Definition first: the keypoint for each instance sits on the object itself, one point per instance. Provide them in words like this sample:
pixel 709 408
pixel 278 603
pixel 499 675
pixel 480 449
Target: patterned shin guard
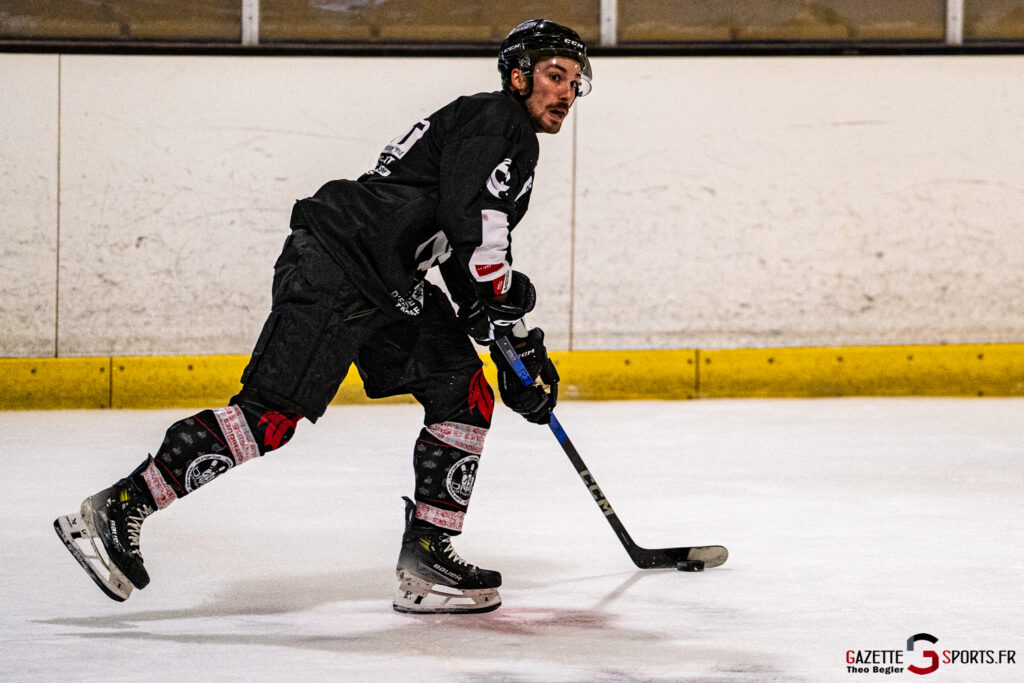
pixel 445 461
pixel 200 448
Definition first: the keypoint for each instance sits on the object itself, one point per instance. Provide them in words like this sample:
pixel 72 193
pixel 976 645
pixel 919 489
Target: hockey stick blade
pixel 644 558
pixel 670 558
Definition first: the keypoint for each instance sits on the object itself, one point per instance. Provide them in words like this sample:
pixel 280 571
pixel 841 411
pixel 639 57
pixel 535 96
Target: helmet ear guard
pixel 536 40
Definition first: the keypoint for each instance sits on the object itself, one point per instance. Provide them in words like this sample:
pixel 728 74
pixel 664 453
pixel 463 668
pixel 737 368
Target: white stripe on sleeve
pixel 490 260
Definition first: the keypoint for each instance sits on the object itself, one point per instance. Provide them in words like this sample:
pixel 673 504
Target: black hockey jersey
pixel 447 192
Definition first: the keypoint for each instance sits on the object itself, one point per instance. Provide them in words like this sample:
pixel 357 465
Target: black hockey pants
pixel 320 324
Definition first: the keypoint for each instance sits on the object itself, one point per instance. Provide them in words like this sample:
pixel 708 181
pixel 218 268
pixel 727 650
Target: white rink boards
pixel 688 202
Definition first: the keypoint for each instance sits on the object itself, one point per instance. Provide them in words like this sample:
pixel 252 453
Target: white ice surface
pixel 852 525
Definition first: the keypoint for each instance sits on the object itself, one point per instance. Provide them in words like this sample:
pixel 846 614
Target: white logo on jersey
pixel 432 252
pixel 399 147
pixel 497 184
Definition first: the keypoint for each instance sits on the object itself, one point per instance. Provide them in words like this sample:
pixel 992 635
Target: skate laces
pixel 449 550
pixel 133 522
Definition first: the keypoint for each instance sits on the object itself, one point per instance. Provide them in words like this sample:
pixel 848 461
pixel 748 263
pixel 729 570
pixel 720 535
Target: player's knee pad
pixel 466 398
pixel 480 403
pixel 200 448
pixel 270 428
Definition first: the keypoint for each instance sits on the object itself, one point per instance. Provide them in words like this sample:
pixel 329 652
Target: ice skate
pixel 433 579
pixel 104 537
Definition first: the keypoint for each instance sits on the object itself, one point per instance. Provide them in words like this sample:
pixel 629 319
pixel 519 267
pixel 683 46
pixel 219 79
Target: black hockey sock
pixel 445 462
pixel 200 448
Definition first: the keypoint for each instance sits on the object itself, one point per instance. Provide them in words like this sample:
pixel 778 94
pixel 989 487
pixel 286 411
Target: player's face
pixel 554 90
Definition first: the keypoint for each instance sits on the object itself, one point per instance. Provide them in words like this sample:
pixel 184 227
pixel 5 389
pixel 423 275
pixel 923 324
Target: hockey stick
pixel 686 558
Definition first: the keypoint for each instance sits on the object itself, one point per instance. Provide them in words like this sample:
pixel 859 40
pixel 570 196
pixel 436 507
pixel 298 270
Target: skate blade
pixel 81 542
pixel 416 596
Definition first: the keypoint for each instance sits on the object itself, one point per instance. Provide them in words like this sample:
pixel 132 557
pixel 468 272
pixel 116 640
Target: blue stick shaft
pixel 517 366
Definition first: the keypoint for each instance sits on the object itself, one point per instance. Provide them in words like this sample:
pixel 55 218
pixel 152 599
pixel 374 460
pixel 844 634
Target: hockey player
pixel 349 288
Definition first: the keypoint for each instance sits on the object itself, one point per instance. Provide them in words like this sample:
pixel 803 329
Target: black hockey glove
pixel 535 403
pixel 486 319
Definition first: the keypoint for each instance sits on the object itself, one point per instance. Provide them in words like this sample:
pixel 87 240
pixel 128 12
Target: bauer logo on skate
pixel 920 657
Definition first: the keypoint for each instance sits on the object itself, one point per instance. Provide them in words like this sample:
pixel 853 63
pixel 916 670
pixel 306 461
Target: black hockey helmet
pixel 536 40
